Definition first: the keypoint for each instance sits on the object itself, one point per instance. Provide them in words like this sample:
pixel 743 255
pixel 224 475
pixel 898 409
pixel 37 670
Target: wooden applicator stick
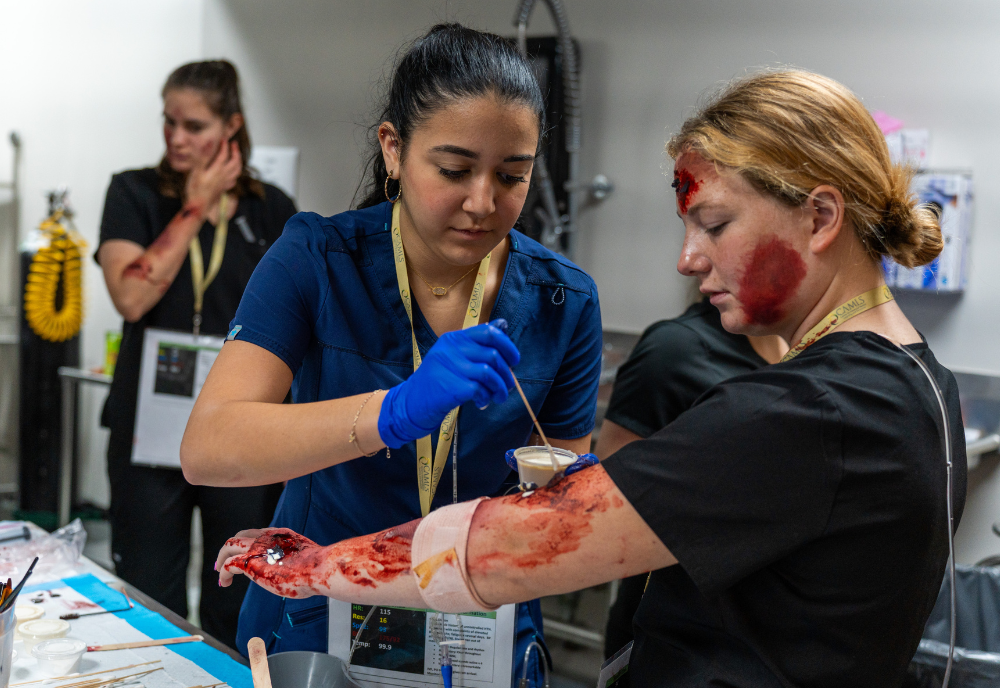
pixel 538 427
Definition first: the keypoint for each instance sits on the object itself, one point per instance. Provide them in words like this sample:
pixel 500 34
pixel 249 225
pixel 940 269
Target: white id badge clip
pixel 247 233
pixel 615 667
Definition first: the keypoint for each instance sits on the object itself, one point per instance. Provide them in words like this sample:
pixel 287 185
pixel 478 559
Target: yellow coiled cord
pixel 60 259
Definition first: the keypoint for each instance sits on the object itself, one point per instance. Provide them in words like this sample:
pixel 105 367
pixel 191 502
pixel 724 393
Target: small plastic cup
pixel 34 632
pixel 23 614
pixel 59 656
pixel 534 465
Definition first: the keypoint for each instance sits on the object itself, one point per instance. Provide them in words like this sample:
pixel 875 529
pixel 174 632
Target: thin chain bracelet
pixel 353 438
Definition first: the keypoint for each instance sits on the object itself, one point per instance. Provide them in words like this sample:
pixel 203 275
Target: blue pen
pixel 446 668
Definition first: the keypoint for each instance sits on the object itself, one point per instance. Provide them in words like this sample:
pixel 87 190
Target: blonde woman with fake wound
pixel 805 500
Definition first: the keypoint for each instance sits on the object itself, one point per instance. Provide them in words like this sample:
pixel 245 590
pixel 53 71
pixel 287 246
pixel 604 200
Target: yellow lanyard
pixel 841 314
pixel 200 280
pixel 429 475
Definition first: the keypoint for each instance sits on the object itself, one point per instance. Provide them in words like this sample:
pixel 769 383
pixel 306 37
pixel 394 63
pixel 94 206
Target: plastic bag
pixel 58 552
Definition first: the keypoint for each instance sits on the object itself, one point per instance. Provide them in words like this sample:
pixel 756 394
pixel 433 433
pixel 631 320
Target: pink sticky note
pixel 887 123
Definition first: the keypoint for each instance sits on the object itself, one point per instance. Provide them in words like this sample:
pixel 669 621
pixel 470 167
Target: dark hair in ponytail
pixel 449 63
pixel 219 84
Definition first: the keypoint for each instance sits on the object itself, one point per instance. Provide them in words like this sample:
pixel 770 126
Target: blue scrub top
pixel 324 299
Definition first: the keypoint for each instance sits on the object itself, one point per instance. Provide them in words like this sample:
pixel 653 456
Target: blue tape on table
pixel 215 662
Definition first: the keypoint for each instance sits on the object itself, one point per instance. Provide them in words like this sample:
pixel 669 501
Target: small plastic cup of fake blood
pixel 534 465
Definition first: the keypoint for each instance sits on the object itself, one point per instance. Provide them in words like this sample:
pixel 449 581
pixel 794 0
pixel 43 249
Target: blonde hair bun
pixel 789 131
pixel 912 230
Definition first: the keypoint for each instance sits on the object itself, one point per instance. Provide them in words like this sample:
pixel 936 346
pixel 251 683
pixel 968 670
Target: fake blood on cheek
pixel 772 275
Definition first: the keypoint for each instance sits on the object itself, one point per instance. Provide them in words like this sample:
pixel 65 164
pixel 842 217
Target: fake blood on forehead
pixel 686 187
pixel 772 275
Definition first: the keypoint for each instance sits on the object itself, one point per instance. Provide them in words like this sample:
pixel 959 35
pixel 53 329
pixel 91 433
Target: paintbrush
pixel 538 426
pixel 6 591
pixel 9 599
pixel 74 615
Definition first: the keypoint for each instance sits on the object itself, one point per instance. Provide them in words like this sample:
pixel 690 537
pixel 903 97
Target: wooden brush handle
pixel 145 643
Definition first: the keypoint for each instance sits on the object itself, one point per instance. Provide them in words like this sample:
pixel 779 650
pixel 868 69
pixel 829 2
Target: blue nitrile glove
pixel 465 365
pixel 582 461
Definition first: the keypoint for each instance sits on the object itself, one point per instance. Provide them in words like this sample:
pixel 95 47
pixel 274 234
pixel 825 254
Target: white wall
pixel 310 69
pixel 80 83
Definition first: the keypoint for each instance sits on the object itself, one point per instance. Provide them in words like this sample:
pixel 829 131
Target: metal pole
pixel 66 455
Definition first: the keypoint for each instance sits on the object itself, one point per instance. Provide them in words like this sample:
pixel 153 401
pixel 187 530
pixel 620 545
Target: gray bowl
pixel 306 670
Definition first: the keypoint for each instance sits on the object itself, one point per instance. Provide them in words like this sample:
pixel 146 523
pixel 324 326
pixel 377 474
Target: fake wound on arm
pixel 159 263
pixel 571 535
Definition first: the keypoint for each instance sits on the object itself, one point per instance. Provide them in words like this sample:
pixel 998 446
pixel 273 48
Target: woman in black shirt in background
pixel 150 217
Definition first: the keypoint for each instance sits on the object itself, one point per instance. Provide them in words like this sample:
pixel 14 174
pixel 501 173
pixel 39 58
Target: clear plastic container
pixel 6 644
pixel 534 465
pixel 34 632
pixel 24 613
pixel 59 656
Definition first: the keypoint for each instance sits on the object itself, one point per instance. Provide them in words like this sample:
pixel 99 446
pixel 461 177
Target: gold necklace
pixel 443 291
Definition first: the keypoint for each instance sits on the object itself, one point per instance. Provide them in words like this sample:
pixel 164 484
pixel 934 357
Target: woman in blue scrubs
pixel 327 314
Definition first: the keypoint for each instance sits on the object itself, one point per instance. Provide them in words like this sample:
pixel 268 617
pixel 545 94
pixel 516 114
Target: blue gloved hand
pixel 582 461
pixel 465 365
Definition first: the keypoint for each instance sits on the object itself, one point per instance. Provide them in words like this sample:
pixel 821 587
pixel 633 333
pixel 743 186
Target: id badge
pixel 400 646
pixel 615 667
pixel 173 369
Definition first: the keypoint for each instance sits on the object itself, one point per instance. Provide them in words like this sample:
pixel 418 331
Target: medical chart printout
pixel 173 369
pixel 399 646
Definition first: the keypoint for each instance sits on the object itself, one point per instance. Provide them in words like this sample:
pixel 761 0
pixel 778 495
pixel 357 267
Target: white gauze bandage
pixel 439 559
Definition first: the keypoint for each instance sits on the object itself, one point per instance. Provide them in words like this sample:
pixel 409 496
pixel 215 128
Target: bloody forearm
pixel 162 260
pixel 368 569
pixel 578 533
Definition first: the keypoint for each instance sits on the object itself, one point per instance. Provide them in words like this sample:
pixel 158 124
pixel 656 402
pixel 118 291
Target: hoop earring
pixel 398 195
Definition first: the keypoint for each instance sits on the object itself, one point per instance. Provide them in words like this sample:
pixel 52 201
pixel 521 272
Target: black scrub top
pixel 674 363
pixel 806 502
pixel 136 210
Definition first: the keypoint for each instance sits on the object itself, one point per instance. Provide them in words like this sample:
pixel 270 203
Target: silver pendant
pixel 439 291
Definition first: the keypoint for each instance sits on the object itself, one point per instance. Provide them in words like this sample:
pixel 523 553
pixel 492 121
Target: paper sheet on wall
pixel 399 645
pixel 173 369
pixel 278 165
